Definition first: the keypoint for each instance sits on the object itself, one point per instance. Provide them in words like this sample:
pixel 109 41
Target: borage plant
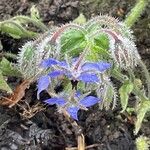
pixel 83 59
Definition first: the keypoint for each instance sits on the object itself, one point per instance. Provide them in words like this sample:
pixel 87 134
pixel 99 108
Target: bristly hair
pixel 109 22
pixel 108 93
pixel 121 41
pixel 121 44
pixel 31 54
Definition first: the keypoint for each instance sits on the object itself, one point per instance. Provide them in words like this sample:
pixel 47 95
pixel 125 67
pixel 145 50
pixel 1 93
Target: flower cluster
pixel 77 71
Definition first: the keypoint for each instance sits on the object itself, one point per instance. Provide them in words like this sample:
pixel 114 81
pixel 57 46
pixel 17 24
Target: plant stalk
pixel 147 75
pixel 136 12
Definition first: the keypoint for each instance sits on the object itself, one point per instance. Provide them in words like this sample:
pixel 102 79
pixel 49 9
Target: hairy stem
pixel 147 75
pixel 135 12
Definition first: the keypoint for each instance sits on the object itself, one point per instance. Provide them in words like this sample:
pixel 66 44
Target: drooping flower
pixel 73 108
pixel 86 72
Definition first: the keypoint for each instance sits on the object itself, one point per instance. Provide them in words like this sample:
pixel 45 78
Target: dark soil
pixel 49 130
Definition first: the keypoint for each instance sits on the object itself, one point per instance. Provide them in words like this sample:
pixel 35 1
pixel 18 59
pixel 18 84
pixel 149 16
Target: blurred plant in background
pixel 17 27
pixel 142 143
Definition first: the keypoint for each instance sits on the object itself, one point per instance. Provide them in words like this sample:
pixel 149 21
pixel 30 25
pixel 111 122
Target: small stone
pixel 116 134
pixel 14 147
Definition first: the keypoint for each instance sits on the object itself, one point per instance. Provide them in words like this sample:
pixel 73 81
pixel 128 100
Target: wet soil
pixel 49 130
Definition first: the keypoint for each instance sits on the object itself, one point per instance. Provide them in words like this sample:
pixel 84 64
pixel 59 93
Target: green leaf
pixel 124 92
pixel 73 42
pixel 15 29
pixel 8 69
pixel 3 84
pixel 142 109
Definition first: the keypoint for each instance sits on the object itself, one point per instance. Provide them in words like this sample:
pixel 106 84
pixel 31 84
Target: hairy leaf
pixel 15 29
pixel 3 84
pixel 142 109
pixel 124 92
pixel 8 69
pixel 12 30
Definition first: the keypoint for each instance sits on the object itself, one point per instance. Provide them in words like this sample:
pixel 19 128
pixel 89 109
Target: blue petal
pixel 56 73
pixel 89 101
pixel 74 60
pixel 68 74
pixel 73 112
pixel 55 100
pixel 98 66
pixel 43 84
pixel 104 66
pixel 86 77
pixel 78 94
pixel 63 64
pixel 49 62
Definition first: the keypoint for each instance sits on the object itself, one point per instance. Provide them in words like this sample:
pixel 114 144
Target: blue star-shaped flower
pixel 73 109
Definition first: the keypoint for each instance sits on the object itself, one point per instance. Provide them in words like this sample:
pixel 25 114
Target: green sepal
pixel 73 42
pixel 102 41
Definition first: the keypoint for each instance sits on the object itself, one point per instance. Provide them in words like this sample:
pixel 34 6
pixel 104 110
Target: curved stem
pixel 64 28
